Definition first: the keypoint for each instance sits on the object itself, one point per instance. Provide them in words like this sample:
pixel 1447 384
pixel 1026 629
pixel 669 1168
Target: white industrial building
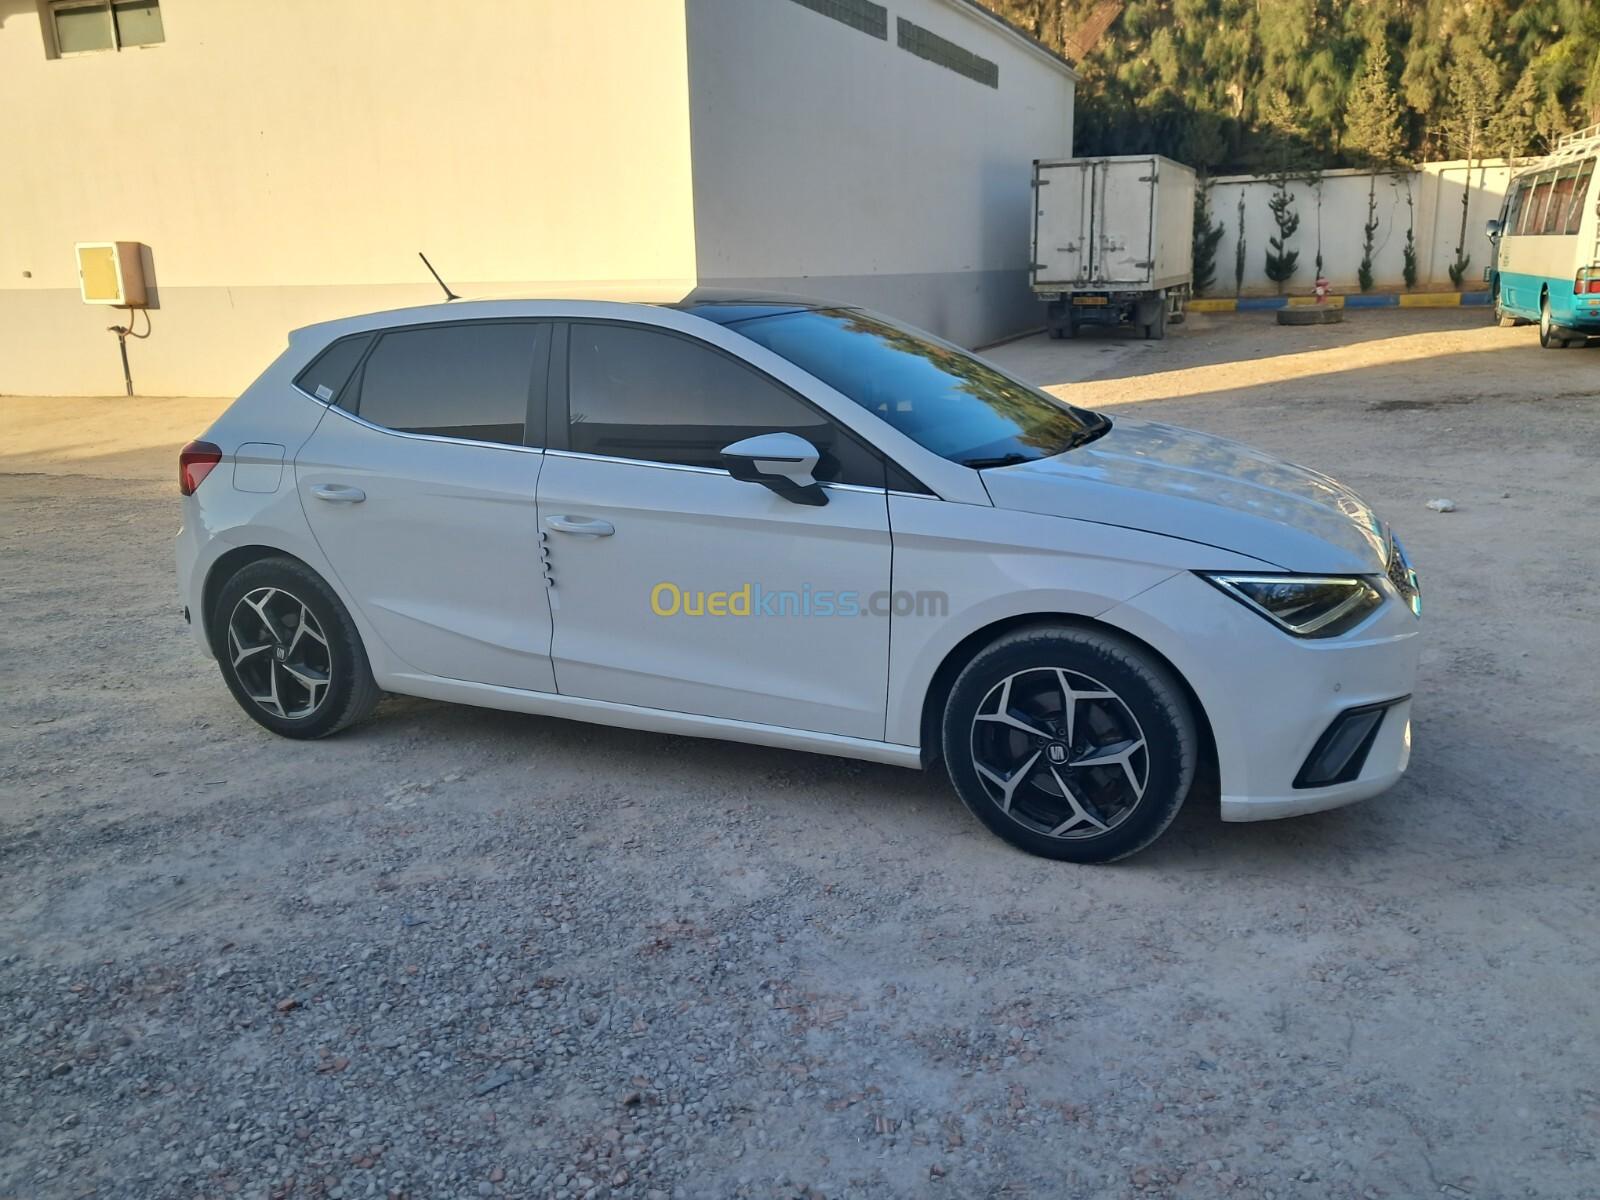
pixel 283 163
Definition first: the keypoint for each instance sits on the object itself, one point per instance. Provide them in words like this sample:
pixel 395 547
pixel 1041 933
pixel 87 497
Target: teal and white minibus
pixel 1547 244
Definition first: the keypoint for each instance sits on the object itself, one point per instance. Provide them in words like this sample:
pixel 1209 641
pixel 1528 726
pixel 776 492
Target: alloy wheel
pixel 1060 753
pixel 279 653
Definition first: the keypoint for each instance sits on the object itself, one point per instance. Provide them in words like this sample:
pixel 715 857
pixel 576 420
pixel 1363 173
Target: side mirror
pixel 1492 228
pixel 783 462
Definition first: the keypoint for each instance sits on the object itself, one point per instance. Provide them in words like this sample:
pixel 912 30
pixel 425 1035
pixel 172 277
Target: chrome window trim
pixel 665 466
pixel 420 437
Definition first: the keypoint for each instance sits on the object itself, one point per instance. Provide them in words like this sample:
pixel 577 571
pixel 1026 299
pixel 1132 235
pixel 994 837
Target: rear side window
pixel 1580 198
pixel 463 381
pixel 331 370
pixel 635 393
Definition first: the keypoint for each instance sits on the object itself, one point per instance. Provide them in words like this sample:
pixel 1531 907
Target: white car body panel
pixel 401 554
pixel 1209 490
pixel 704 531
pixel 1112 532
pixel 997 565
pixel 1230 656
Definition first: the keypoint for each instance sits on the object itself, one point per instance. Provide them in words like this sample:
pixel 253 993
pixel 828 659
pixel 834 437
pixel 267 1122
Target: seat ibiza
pixel 804 525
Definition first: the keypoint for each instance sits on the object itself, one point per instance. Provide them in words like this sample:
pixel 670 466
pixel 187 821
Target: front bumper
pixel 1270 697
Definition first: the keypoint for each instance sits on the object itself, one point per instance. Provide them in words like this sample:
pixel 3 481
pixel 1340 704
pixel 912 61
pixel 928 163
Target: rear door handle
pixel 338 493
pixel 582 526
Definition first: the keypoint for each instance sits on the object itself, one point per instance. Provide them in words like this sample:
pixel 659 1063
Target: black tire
pixel 1142 689
pixel 1550 335
pixel 1058 320
pixel 1152 315
pixel 269 596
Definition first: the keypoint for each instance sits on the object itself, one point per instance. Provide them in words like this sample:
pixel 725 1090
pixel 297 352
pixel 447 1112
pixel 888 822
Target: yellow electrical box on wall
pixel 111 273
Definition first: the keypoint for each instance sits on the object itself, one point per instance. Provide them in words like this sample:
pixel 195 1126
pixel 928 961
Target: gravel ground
pixel 465 953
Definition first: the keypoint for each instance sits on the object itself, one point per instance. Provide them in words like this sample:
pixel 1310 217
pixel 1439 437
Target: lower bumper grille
pixel 1342 750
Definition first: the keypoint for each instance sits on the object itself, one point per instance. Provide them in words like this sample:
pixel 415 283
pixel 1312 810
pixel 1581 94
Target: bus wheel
pixel 1549 336
pixel 1501 317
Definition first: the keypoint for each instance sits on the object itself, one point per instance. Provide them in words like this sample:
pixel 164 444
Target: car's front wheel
pixel 1070 743
pixel 289 652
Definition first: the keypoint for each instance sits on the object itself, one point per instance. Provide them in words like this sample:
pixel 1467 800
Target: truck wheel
pixel 1157 329
pixel 1058 320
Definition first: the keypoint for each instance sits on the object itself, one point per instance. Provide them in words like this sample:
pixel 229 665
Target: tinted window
pixel 634 393
pixel 330 371
pixel 465 381
pixel 1580 198
pixel 1533 219
pixel 1514 199
pixel 936 394
pixel 1555 219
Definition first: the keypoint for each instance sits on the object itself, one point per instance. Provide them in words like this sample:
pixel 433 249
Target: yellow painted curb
pixel 1431 300
pixel 1211 305
pixel 1311 302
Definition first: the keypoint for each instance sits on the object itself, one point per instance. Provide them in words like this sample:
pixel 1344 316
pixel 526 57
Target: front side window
pixel 937 394
pixel 82 26
pixel 472 381
pixel 641 394
pixel 1514 201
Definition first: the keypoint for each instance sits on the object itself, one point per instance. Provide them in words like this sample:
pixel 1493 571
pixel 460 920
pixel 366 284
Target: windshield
pixel 937 394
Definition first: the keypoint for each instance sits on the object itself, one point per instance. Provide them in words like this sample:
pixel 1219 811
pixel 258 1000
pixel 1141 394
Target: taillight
pixel 194 463
pixel 1587 282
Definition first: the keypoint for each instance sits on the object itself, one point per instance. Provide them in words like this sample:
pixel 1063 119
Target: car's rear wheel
pixel 289 652
pixel 1070 743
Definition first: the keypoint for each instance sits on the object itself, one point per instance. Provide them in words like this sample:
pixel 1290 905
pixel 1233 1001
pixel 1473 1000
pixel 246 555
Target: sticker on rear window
pixel 324 392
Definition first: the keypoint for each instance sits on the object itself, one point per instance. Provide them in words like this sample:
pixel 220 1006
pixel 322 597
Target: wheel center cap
pixel 1056 753
pixel 280 653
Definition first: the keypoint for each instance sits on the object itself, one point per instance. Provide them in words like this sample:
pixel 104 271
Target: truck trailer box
pixel 1112 240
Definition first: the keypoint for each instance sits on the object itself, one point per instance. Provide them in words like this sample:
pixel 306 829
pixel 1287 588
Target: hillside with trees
pixel 1278 85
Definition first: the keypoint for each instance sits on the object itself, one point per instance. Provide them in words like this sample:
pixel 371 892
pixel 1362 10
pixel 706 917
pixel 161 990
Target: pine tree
pixel 1238 250
pixel 1282 262
pixel 1474 94
pixel 1207 233
pixel 1409 250
pixel 1372 136
pixel 1191 78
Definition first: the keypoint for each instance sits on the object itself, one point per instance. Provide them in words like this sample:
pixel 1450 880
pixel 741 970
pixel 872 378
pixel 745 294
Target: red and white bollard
pixel 1321 289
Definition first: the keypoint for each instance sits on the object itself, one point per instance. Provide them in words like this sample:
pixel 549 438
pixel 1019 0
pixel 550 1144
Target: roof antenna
pixel 448 294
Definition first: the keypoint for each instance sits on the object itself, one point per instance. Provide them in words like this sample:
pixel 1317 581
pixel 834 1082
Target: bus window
pixel 1514 201
pixel 1533 214
pixel 1555 216
pixel 1580 197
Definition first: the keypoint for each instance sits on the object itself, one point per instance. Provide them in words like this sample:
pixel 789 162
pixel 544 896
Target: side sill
pixel 651 720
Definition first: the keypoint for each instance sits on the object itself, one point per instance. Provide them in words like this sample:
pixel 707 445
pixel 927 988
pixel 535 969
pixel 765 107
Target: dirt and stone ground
pixel 465 953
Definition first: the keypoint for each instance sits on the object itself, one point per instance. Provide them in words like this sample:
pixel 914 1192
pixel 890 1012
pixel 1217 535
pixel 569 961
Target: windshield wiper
pixel 1087 435
pixel 1000 460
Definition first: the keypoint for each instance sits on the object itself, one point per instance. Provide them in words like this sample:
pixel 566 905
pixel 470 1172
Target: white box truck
pixel 1112 241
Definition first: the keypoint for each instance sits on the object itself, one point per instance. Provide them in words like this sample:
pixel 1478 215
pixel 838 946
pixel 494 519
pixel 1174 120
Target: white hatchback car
pixel 801 525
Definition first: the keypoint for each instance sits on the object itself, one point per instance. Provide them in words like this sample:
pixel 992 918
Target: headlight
pixel 1311 606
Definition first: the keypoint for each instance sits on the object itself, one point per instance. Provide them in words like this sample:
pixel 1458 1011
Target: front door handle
pixel 338 493
pixel 582 526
